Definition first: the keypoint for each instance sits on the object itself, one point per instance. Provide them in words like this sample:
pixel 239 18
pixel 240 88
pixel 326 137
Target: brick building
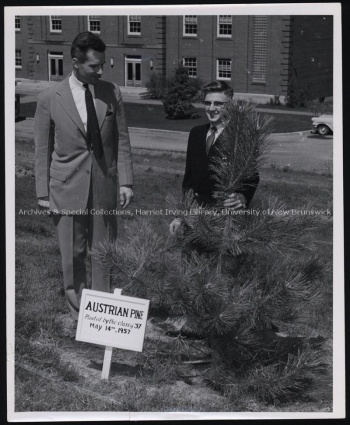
pixel 255 54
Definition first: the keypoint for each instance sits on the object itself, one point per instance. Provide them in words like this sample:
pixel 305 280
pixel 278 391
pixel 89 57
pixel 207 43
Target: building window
pixel 17 23
pixel 94 24
pixel 18 59
pixel 191 65
pixel 55 24
pixel 225 26
pixel 190 25
pixel 259 49
pixel 223 71
pixel 134 25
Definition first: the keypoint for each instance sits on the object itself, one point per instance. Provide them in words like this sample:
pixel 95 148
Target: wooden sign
pixel 113 320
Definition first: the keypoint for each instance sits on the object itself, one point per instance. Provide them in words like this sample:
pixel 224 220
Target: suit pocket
pixel 58 175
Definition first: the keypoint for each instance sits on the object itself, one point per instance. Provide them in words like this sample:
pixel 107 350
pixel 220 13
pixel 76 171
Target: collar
pixel 219 127
pixel 75 83
pixel 74 80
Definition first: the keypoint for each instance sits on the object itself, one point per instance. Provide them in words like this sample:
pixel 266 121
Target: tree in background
pixel 296 96
pixel 176 92
pixel 246 283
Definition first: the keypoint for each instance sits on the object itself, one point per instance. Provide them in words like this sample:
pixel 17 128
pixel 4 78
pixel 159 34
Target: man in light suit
pixel 202 141
pixel 82 148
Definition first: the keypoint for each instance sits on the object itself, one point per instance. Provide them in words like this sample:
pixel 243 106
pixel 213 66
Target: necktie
pixel 93 135
pixel 211 138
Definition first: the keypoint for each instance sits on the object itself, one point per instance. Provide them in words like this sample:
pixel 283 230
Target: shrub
pixel 275 100
pixel 296 97
pixel 319 108
pixel 180 91
pixel 156 86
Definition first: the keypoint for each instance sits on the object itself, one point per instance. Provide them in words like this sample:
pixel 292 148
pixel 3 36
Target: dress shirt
pixel 219 129
pixel 78 92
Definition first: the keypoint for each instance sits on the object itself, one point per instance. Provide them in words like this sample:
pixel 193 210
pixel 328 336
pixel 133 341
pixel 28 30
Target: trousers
pixel 75 233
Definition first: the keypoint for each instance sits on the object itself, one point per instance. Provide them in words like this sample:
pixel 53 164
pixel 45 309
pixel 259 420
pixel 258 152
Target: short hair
pixel 86 41
pixel 217 87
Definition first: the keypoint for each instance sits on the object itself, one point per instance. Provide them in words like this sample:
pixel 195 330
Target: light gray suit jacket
pixel 63 163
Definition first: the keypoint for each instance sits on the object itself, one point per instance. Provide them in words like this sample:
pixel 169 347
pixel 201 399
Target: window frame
pixel 51 28
pixel 97 20
pixel 129 23
pixel 19 66
pixel 217 70
pixel 190 67
pixel 186 34
pixel 17 19
pixel 218 27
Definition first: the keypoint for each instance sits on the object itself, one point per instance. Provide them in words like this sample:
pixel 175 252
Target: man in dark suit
pixel 201 149
pixel 82 147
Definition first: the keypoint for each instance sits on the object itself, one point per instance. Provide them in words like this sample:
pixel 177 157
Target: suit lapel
pixel 100 104
pixel 66 100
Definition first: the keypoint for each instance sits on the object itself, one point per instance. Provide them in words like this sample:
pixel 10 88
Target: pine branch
pixel 243 145
pixel 285 382
pixel 274 380
pixel 240 232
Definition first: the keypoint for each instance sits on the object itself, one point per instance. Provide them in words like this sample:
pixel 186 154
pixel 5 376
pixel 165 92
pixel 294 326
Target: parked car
pixel 322 125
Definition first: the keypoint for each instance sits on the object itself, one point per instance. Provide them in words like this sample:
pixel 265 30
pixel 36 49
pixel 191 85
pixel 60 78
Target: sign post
pixel 112 320
pixel 107 361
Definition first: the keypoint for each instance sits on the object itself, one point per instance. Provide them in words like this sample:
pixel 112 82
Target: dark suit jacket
pixel 63 162
pixel 198 175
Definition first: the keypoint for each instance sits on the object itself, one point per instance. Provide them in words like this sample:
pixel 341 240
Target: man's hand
pixel 44 202
pixel 235 201
pixel 174 226
pixel 126 193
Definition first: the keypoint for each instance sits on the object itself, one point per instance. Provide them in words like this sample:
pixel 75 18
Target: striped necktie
pixel 211 138
pixel 93 135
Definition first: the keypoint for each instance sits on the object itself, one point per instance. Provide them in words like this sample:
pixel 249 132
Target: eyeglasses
pixel 217 105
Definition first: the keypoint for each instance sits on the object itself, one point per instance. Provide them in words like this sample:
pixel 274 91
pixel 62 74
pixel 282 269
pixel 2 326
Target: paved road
pixel 296 151
pixel 31 89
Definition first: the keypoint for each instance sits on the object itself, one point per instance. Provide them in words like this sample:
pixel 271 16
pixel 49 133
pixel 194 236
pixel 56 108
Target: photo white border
pixel 338 235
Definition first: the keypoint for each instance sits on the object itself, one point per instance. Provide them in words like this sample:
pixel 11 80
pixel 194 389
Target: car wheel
pixel 323 130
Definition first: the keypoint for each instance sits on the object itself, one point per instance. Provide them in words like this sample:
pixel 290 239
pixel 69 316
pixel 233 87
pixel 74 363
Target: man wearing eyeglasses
pixel 198 175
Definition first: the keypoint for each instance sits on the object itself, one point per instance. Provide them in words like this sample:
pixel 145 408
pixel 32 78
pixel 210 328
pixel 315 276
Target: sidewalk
pixel 31 89
pixel 299 151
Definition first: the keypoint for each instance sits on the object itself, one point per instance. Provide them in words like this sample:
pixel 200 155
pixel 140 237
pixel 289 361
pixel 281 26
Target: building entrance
pixel 55 66
pixel 133 71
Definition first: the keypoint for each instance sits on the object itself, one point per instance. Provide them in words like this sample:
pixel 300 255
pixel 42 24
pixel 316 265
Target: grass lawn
pixel 56 373
pixel 153 116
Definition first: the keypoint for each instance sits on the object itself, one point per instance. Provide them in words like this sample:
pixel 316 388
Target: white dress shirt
pixel 219 129
pixel 78 92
